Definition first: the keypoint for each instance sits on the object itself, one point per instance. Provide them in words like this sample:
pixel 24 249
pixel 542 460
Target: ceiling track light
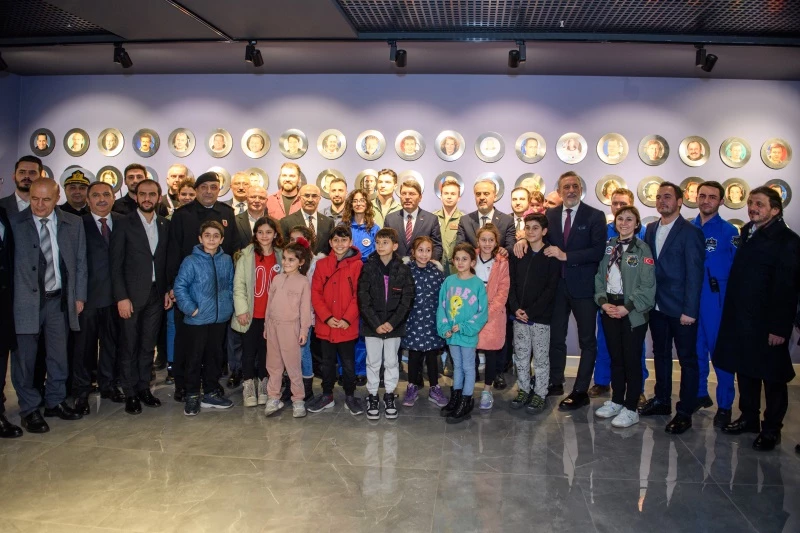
pixel 515 57
pixel 121 56
pixel 398 57
pixel 704 60
pixel 711 60
pixel 253 54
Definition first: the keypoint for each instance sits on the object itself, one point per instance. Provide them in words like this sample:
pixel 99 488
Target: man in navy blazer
pixel 577 238
pixel 422 222
pixel 679 251
pixel 485 192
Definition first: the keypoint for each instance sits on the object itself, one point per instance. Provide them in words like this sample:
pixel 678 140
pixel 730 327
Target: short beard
pixel 147 210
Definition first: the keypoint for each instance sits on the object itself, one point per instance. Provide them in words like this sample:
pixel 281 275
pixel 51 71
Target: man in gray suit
pixel 26 170
pixel 50 286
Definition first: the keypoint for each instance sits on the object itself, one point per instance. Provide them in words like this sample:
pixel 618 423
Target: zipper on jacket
pixel 216 290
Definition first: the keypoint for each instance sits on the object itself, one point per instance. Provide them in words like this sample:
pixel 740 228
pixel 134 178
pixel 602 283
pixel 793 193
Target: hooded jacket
pixel 334 295
pixel 205 283
pixel 385 294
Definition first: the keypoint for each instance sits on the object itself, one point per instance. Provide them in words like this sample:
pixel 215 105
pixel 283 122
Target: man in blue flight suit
pixel 602 365
pixel 721 240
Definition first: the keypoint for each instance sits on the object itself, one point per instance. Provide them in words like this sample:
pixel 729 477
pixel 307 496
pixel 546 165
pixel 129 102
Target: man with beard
pixel 319 224
pixel 287 200
pixel 27 169
pixel 134 175
pixel 552 199
pixel 384 202
pixel 337 190
pixel 76 186
pixel 485 195
pixel 175 175
pixel 240 183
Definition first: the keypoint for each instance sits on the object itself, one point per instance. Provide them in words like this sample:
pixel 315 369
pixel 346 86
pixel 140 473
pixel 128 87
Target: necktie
pixel 484 221
pixel 520 225
pixel 242 206
pixel 47 251
pixel 104 229
pixel 311 226
pixel 409 230
pixel 567 228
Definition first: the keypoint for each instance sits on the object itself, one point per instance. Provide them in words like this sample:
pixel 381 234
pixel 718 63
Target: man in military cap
pixel 75 186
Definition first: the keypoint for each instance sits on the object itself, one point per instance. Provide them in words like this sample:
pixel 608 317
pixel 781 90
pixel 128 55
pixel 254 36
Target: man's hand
pixel 243 319
pixel 502 252
pixel 125 308
pixel 168 301
pixel 520 234
pixel 79 306
pixel 774 340
pixel 687 320
pixel 384 328
pixel 520 248
pixel 555 251
pixel 521 315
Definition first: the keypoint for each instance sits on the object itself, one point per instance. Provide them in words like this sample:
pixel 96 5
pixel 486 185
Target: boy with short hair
pixel 534 279
pixel 385 296
pixel 335 303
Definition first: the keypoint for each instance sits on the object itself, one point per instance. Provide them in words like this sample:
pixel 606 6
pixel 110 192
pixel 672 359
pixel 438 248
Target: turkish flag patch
pixel 649 261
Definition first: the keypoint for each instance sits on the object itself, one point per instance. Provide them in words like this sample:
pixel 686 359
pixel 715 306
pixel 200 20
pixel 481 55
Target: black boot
pixel 462 411
pixel 307 385
pixel 286 395
pixel 455 396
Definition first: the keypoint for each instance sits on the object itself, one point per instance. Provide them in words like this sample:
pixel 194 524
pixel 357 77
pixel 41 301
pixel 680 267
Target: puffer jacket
pixel 244 285
pixel 376 307
pixel 205 283
pixel 334 295
pixel 493 334
pixel 421 333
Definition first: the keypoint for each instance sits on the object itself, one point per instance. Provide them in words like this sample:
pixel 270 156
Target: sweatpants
pixel 415 361
pixel 463 368
pixel 283 352
pixel 382 351
pixel 532 338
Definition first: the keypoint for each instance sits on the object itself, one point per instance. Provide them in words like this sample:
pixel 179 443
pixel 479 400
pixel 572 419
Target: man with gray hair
pixel 485 191
pixel 240 184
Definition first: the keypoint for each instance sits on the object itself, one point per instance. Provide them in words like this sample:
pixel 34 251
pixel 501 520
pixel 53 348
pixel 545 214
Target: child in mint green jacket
pixel 462 312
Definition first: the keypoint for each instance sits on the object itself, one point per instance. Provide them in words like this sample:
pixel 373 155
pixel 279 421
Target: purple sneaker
pixel 411 395
pixel 437 396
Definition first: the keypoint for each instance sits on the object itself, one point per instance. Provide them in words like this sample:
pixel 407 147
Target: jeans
pixel 170 335
pixel 306 360
pixel 463 368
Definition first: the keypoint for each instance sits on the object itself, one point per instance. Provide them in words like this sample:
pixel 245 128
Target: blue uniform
pixel 602 363
pixel 722 240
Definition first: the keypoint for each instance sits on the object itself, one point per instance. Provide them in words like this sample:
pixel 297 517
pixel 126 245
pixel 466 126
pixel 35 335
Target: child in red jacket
pixel 334 298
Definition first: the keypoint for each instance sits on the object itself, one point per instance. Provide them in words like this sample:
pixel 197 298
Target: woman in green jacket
pixel 625 290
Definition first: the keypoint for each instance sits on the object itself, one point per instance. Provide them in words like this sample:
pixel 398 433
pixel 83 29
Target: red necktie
pixel 104 231
pixel 408 230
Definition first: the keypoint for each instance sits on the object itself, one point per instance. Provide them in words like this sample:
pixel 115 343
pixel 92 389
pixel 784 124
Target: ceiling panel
pixel 38 19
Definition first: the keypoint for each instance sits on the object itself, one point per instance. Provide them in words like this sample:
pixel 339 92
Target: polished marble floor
pixel 237 471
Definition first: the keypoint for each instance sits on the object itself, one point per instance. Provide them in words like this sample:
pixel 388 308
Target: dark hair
pixel 541 218
pixel 388 233
pixel 527 192
pixel 419 240
pixel 467 249
pixel 676 188
pixel 390 172
pixel 636 214
pixel 775 200
pixel 134 166
pixel 341 231
pixel 491 228
pixel 348 214
pixel 29 159
pixel 157 184
pixel 715 184
pixel 303 253
pixel 307 235
pixel 94 184
pixel 277 242
pixel 185 182
pixel 211 224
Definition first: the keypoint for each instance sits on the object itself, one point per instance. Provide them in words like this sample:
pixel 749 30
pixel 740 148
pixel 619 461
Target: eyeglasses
pixel 359 201
pixel 310 196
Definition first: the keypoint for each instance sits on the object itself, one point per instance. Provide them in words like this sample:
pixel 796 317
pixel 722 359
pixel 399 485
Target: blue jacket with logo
pixel 205 283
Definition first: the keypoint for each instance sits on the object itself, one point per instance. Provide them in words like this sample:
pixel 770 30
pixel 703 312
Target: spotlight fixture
pixel 253 54
pixel 121 56
pixel 515 57
pixel 711 60
pixel 3 64
pixel 704 60
pixel 398 57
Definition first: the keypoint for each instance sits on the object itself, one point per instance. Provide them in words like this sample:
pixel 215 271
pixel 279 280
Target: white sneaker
pixel 262 391
pixel 609 410
pixel 273 406
pixel 625 419
pixel 299 409
pixel 249 393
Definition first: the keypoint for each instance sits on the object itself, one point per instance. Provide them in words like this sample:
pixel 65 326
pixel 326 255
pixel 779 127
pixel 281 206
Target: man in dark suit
pixel 308 216
pixel 256 208
pixel 50 286
pixel 412 222
pixel 26 170
pixel 99 321
pixel 485 195
pixel 240 186
pixel 679 251
pixel 135 174
pixel 75 187
pixel 138 249
pixel 577 238
pixel 8 338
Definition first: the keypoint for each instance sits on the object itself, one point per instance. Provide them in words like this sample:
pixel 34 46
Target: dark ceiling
pixel 753 38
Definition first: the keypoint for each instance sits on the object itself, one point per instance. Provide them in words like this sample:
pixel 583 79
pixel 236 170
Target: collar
pixel 713 220
pixel 50 218
pixel 306 215
pixel 414 214
pixel 574 209
pixel 20 199
pixel 667 226
pixel 97 218
pixel 251 217
pixel 489 215
pixel 144 220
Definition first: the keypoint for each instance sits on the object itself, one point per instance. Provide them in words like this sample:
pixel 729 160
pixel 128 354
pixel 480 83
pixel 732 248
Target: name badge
pixel 453 225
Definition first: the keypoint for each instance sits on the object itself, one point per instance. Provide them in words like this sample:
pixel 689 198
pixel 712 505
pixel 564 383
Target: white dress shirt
pixel 662 231
pixel 151 229
pixel 564 215
pixel 489 217
pixel 21 204
pixel 52 225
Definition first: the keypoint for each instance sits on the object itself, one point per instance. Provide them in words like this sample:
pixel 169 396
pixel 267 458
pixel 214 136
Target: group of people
pixel 273 291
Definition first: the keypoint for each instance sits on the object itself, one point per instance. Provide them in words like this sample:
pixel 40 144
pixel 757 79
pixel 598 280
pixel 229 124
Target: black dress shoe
pixel 703 402
pixel 9 430
pixel 555 390
pixel 133 406
pixel 654 407
pixel 34 423
pixel 361 381
pixel 679 424
pixel 766 441
pixel 82 406
pixel 742 425
pixel 722 418
pixel 575 400
pixel 499 382
pixel 179 395
pixel 62 411
pixel 115 395
pixel 148 399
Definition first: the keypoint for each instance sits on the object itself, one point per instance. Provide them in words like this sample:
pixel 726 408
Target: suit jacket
pixel 8 336
pixel 132 262
pixel 98 259
pixel 679 268
pixel 324 229
pixel 29 268
pixel 468 225
pixel 585 247
pixel 243 229
pixel 427 224
pixel 9 203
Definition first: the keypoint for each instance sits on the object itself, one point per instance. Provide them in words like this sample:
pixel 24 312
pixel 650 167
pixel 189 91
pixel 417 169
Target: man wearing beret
pixel 75 186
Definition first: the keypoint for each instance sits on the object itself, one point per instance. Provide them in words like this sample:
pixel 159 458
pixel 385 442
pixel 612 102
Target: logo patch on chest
pixel 736 241
pixel 365 241
pixel 711 244
pixel 632 261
